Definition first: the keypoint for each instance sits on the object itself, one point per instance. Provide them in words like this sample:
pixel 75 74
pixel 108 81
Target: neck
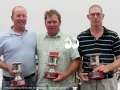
pixel 52 35
pixel 96 29
pixel 18 30
pixel 97 32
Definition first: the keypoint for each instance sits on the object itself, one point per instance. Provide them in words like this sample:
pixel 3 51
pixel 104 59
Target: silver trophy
pixel 95 62
pixel 17 70
pixel 52 63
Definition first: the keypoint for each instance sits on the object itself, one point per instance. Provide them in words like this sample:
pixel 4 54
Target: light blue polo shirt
pixel 19 48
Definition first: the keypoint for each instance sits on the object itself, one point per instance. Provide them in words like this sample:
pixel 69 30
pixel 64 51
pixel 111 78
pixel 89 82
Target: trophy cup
pixel 17 70
pixel 52 63
pixel 94 62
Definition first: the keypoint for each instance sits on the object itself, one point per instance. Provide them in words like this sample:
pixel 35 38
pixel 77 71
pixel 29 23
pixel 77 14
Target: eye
pixel 49 22
pixel 24 16
pixel 18 16
pixel 98 14
pixel 92 14
pixel 54 22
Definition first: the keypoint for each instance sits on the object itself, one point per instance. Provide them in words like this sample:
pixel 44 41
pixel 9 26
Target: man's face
pixel 52 24
pixel 19 17
pixel 95 16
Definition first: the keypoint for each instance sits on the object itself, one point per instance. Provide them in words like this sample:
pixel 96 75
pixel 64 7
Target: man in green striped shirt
pixel 54 41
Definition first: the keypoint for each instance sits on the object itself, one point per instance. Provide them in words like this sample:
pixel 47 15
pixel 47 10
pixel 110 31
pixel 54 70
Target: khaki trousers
pixel 104 84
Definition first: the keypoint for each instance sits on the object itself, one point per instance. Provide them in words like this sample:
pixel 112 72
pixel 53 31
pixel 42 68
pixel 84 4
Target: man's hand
pixel 10 70
pixel 83 76
pixel 61 76
pixel 103 68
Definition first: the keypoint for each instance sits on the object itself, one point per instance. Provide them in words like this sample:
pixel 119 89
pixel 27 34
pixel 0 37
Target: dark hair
pixel 52 12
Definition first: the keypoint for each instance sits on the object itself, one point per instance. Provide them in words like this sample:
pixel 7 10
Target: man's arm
pixel 109 67
pixel 73 67
pixel 81 74
pixel 6 67
pixel 115 64
pixel 80 69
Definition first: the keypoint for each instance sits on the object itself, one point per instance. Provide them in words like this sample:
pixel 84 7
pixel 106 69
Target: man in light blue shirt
pixel 18 44
pixel 54 41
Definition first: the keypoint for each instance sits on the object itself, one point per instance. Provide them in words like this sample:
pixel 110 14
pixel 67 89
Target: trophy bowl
pixel 17 70
pixel 53 59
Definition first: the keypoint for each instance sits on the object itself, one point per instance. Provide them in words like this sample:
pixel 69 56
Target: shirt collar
pixel 15 33
pixel 105 31
pixel 58 35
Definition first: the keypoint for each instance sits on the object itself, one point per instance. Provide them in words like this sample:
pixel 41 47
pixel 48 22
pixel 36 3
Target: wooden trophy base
pixel 50 75
pixel 95 75
pixel 19 83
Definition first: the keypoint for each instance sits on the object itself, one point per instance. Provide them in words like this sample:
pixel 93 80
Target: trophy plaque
pixel 94 62
pixel 52 63
pixel 17 70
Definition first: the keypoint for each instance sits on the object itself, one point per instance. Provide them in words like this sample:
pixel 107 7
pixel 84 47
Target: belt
pixel 11 78
pixel 8 78
pixel 29 76
pixel 108 75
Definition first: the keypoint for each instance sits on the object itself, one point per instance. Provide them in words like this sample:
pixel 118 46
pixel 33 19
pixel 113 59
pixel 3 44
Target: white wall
pixel 74 19
pixel 73 13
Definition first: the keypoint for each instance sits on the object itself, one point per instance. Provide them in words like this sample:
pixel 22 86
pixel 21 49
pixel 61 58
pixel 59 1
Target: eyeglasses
pixel 97 14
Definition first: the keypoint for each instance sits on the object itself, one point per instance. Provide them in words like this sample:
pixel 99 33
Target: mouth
pixel 95 21
pixel 52 29
pixel 21 23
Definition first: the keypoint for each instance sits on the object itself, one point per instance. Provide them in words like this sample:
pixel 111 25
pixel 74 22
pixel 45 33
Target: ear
pixel 45 23
pixel 88 17
pixel 12 18
pixel 60 22
pixel 103 16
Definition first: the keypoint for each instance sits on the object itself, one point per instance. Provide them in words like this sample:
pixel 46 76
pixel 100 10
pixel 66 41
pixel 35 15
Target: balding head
pixel 95 6
pixel 18 7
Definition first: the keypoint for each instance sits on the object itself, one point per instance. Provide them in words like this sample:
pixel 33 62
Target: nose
pixel 52 23
pixel 95 16
pixel 22 17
